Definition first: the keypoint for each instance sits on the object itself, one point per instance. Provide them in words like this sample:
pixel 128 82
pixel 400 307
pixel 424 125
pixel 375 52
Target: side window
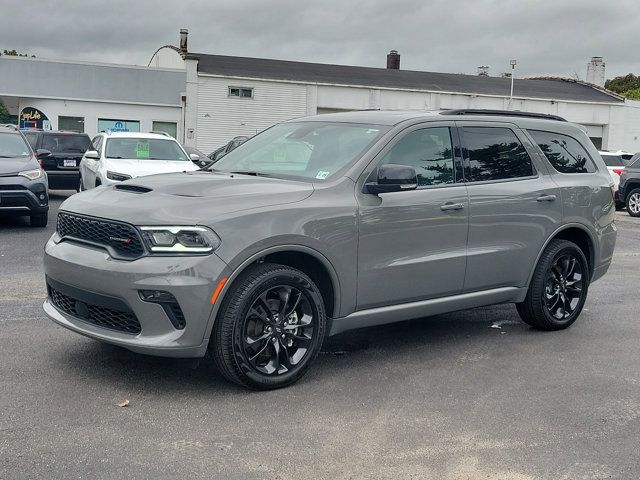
pixel 429 151
pixel 495 153
pixel 97 143
pixel 564 153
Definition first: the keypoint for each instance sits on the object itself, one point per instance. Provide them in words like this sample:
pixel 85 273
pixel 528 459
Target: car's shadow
pixel 110 365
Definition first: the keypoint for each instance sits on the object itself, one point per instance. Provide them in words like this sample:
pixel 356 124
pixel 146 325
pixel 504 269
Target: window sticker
pixel 322 175
pixel 142 150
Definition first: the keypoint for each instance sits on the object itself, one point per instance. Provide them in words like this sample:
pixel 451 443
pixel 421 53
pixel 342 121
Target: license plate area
pixel 69 163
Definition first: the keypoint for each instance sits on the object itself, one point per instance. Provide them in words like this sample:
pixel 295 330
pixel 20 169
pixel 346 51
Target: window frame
pixel 524 141
pixel 371 172
pixel 233 87
pixel 546 159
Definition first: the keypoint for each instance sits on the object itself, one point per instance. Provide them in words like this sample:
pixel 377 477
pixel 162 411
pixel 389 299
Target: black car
pixel 23 183
pixel 629 190
pixel 67 149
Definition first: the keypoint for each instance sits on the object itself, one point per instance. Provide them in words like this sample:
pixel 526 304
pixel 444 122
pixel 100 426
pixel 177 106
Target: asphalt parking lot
pixel 473 394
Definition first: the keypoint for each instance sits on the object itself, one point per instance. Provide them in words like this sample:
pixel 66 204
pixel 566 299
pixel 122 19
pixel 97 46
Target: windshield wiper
pixel 250 172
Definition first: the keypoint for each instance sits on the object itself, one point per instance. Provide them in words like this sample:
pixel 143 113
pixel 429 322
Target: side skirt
pixel 426 308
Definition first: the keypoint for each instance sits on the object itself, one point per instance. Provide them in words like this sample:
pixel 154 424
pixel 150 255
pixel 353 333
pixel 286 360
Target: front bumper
pixel 21 196
pixel 191 280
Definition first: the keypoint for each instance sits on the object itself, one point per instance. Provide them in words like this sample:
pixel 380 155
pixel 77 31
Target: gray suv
pixel 330 223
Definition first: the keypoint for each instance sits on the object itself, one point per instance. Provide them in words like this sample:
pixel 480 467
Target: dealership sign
pixel 33 118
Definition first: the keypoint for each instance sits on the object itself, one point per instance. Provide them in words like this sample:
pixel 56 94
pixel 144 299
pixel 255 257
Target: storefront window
pixel 105 124
pixel 71 124
pixel 167 127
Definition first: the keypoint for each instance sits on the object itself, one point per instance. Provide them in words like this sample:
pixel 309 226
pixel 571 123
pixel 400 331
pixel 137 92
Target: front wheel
pixel 633 202
pixel 558 289
pixel 270 327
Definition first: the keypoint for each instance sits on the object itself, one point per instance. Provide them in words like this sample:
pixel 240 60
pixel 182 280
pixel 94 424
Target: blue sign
pixel 118 125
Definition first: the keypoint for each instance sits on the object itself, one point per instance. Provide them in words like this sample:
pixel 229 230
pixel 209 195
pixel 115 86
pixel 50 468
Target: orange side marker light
pixel 216 292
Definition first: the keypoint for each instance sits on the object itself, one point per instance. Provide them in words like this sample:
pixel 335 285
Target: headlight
pixel 31 174
pixel 118 177
pixel 178 239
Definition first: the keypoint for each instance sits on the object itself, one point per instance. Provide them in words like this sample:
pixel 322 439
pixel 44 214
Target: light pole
pixel 513 69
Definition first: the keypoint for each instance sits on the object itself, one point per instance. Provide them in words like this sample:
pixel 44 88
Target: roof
pixel 395 117
pixel 262 68
pixel 158 136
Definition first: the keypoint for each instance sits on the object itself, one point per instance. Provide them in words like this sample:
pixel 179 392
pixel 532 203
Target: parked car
pixel 232 145
pixel 23 183
pixel 325 224
pixel 629 191
pixel 123 155
pixel 615 162
pixel 66 150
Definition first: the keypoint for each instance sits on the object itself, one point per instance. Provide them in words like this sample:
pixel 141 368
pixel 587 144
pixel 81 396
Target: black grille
pixel 97 315
pixel 120 238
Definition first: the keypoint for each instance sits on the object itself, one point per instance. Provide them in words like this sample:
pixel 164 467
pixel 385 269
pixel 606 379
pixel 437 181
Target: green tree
pixel 14 53
pixel 623 83
pixel 633 94
pixel 5 116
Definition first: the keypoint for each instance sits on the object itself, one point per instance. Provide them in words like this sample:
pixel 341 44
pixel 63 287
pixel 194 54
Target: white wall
pixel 167 57
pixel 91 111
pixel 220 117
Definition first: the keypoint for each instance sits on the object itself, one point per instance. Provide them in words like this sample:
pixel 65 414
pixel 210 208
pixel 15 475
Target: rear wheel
pixel 39 220
pixel 558 288
pixel 270 327
pixel 633 202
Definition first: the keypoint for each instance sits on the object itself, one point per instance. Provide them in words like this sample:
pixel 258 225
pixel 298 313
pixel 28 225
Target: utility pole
pixel 513 69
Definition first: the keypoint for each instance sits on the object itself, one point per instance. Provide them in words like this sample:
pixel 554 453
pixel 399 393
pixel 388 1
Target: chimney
pixel 393 60
pixel 595 71
pixel 184 34
pixel 483 71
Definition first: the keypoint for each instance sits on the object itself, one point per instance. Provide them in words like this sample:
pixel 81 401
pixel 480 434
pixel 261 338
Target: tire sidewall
pixel 308 288
pixel 586 275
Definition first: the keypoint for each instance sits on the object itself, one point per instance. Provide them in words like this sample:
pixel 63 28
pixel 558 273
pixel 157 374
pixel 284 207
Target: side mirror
pixel 42 153
pixel 194 157
pixel 393 178
pixel 92 154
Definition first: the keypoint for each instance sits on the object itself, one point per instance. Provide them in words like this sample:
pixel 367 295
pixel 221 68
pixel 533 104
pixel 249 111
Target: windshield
pixel 12 146
pixel 66 143
pixel 311 150
pixel 144 149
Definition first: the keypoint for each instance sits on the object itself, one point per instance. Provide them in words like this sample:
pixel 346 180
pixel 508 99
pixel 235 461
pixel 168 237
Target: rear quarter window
pixel 612 160
pixel 564 153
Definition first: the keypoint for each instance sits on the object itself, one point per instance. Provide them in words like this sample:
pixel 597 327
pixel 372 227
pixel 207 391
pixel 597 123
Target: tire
pixel 98 182
pixel 268 361
pixel 39 220
pixel 553 285
pixel 633 202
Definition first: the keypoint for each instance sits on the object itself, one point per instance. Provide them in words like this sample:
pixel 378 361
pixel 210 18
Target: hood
pixel 195 198
pixel 140 168
pixel 17 164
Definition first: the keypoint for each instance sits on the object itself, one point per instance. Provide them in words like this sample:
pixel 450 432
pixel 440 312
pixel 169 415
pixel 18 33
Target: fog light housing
pixel 168 303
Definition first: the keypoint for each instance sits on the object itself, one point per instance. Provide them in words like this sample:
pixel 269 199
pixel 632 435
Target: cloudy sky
pixel 547 37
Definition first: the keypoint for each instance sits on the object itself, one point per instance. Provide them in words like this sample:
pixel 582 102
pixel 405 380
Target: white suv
pixel 615 162
pixel 120 156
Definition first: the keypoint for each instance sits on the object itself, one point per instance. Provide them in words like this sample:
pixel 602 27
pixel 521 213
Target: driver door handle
pixel 451 206
pixel 546 198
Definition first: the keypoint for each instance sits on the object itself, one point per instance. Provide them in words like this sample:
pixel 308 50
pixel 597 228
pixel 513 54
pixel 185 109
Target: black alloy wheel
pixel 558 289
pixel 563 290
pixel 269 328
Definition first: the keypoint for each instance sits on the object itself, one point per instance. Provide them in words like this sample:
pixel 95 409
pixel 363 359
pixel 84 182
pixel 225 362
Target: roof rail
pixel 504 113
pixel 10 125
pixel 160 132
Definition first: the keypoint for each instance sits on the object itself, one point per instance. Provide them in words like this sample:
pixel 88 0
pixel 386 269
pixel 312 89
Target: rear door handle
pixel 451 206
pixel 546 198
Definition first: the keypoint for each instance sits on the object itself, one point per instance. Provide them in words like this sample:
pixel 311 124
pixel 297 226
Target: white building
pixel 206 100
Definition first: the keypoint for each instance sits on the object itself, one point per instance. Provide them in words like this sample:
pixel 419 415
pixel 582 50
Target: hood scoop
pixel 132 188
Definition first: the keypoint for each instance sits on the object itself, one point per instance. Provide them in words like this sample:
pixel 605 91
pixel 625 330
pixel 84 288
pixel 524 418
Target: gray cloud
pixel 547 38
